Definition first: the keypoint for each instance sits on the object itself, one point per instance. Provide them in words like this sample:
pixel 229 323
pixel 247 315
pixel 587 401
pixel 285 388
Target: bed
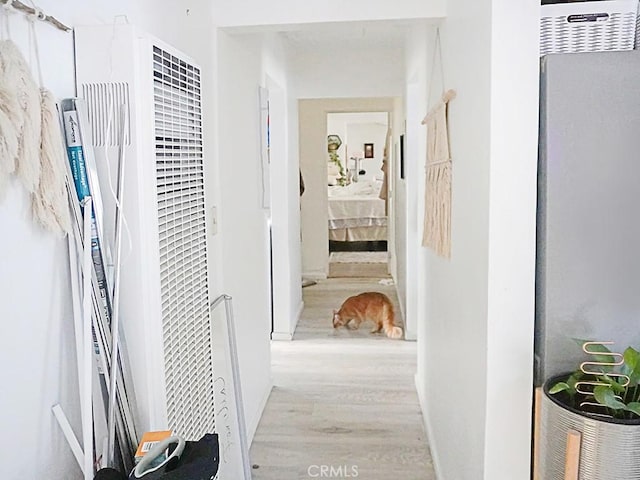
pixel 357 213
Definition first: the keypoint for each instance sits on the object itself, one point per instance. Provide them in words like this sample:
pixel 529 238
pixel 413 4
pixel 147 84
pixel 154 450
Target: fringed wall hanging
pixel 30 136
pixel 9 108
pixel 437 216
pixel 49 200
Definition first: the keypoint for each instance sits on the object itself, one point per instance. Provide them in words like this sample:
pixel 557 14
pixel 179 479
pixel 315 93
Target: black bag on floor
pixel 187 461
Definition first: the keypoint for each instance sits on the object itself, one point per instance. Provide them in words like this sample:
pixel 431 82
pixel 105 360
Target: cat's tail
pixel 389 323
pixel 392 331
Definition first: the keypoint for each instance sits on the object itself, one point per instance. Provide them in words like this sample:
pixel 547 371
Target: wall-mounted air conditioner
pixel 164 290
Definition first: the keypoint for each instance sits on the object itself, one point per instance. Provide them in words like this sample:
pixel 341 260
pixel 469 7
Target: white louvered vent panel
pixel 104 101
pixel 182 244
pixel 588 26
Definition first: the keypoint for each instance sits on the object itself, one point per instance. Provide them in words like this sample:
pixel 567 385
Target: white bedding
pixel 357 189
pixel 354 208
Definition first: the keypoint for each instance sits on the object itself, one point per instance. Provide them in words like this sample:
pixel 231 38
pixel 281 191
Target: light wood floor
pixel 354 269
pixel 377 270
pixel 342 399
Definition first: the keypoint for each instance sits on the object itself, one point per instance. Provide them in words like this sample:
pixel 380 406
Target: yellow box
pixel 149 440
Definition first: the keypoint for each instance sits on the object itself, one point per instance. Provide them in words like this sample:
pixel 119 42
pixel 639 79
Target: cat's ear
pixel 335 312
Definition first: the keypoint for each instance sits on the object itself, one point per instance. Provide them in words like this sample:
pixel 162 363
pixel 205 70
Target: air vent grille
pixel 182 237
pixel 588 26
pixel 104 101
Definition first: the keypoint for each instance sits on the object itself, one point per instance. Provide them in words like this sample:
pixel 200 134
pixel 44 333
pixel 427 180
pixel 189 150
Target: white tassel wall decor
pixel 30 134
pixel 50 205
pixel 8 141
pixel 17 77
pixel 49 200
pixel 10 116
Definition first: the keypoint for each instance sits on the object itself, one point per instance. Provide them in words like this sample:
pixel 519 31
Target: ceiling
pixel 343 35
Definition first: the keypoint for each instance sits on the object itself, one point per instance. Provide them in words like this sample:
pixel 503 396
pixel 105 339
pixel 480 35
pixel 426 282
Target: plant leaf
pixel 605 396
pixel 631 366
pixel 634 407
pixel 559 387
pixel 573 379
pixel 631 357
pixel 612 382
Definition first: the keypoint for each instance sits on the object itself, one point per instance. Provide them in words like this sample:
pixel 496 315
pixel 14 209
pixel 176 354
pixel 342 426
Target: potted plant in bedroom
pixel 335 159
pixel 333 143
pixel 590 418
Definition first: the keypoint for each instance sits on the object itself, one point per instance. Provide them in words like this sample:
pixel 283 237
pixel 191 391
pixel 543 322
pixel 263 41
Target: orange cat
pixel 368 306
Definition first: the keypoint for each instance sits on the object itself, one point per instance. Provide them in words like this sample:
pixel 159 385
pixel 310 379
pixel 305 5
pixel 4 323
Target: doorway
pixel 357 146
pixel 315 117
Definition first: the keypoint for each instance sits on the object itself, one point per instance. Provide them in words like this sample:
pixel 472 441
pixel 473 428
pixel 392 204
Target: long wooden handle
pixel 572 455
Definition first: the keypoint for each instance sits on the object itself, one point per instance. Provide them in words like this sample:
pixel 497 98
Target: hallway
pixel 344 402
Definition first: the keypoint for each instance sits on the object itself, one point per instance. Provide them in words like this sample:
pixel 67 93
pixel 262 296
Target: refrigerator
pixel 588 218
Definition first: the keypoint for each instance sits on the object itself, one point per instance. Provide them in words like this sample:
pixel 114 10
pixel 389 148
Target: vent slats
pixel 182 245
pixel 615 30
pixel 104 101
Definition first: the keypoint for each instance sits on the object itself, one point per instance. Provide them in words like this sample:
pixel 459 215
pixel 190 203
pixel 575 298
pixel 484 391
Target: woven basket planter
pixel 609 449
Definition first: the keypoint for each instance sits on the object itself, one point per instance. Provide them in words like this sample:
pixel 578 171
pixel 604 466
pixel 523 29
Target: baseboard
pixel 281 336
pixel 427 426
pixel 410 336
pixel 298 316
pixel 288 336
pixel 315 275
pixel 252 426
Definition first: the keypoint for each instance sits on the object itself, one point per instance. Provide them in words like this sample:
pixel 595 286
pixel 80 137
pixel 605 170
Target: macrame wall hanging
pixel 436 232
pixel 31 142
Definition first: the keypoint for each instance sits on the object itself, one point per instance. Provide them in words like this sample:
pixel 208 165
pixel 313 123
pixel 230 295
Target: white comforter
pixel 356 205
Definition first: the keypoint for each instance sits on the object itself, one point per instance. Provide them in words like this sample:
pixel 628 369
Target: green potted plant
pixel 335 159
pixel 600 403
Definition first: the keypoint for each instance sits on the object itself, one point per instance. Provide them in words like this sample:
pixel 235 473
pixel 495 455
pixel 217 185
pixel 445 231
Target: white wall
pixel 285 202
pixel 37 349
pixel 479 304
pixel 398 260
pixel 415 108
pixel 351 73
pixel 243 221
pixel 512 234
pixel 230 13
pixel 295 256
pixel 360 133
pixel 250 61
pixel 337 77
pixel 338 123
pixel 456 295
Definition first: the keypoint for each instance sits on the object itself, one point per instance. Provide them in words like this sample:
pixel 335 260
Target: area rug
pixel 358 257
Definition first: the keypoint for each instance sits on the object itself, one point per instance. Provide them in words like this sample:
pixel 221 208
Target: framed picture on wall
pixel 368 150
pixel 402 156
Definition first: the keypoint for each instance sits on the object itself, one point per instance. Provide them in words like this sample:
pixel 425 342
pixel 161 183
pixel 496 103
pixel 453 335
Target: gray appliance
pixel 588 226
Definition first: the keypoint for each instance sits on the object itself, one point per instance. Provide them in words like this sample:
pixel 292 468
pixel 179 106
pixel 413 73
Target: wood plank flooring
pixel 369 269
pixel 377 270
pixel 344 402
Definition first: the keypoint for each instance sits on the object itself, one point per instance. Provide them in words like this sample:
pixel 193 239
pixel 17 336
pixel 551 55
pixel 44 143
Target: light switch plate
pixel 214 220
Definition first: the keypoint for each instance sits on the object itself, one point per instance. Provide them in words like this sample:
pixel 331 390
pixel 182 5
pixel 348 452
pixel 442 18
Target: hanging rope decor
pixel 437 219
pixel 436 232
